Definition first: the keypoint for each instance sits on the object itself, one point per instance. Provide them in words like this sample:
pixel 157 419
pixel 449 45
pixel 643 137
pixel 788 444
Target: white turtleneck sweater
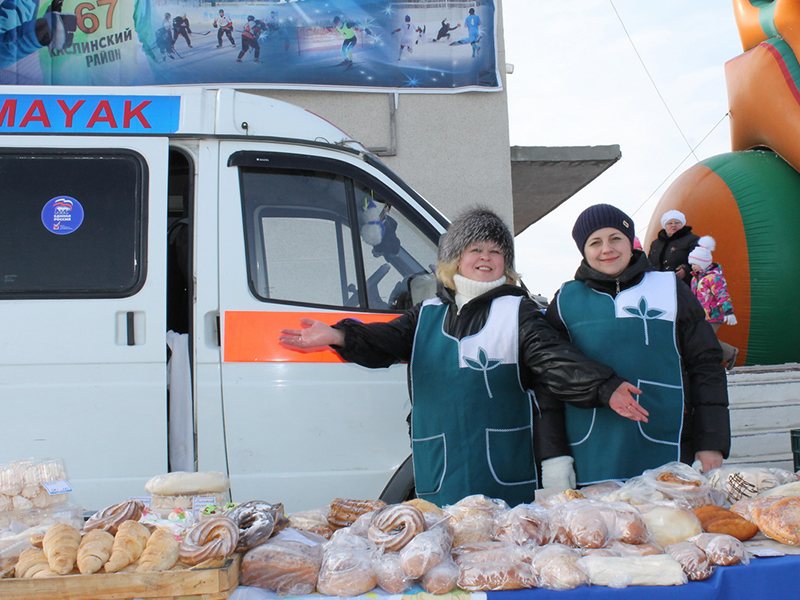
pixel 467 289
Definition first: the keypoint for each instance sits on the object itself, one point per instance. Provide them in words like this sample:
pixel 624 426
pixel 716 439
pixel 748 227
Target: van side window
pixel 73 223
pixel 319 237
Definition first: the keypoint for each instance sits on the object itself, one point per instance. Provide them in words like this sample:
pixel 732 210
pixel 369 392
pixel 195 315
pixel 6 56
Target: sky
pixel 644 74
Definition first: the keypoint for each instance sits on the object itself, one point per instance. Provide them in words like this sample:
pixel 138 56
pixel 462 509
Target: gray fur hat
pixel 476 225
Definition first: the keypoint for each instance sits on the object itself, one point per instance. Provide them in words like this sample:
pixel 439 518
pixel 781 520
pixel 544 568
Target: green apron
pixel 472 422
pixel 634 333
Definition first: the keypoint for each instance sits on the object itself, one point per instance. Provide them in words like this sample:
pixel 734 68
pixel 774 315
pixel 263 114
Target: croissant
pixel 33 563
pixel 129 543
pixel 94 551
pixel 60 546
pixel 161 552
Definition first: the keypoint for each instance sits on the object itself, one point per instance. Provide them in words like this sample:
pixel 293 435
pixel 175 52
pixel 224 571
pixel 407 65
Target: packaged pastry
pixel 508 568
pixel 347 565
pixel 556 566
pixel 778 517
pixel 523 524
pixel 739 481
pixel 425 551
pixel 592 523
pixel 288 564
pixel 394 526
pixel 673 481
pixel 723 550
pixel 343 512
pixel 473 518
pixel 442 578
pixel 21 484
pixel 180 490
pixel 620 572
pixel 390 574
pixel 669 523
pixel 694 560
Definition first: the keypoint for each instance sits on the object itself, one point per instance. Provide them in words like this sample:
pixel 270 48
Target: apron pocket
pixel 430 463
pixel 510 455
pixel 665 405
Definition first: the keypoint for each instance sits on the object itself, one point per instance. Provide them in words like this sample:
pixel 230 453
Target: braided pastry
pixel 111 517
pixel 213 538
pixel 345 511
pixel 392 527
pixel 256 520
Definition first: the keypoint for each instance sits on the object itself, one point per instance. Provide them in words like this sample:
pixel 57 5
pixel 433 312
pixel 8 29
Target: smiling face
pixel 482 261
pixel 672 227
pixel 609 251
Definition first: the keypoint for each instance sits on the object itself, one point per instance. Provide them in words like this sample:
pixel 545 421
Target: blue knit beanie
pixel 600 216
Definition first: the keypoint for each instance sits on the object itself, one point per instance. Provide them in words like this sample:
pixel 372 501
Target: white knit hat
pixel 673 214
pixel 701 255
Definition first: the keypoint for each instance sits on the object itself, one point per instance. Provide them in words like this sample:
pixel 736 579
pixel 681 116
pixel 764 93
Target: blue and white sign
pixel 62 215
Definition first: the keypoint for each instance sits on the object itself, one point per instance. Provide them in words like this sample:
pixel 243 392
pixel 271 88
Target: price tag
pixel 200 502
pixel 145 500
pixel 57 487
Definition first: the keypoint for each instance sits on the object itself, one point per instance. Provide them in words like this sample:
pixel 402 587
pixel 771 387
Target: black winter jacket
pixel 547 361
pixel 669 253
pixel 706 423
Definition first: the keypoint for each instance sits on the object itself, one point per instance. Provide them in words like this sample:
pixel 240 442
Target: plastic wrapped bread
pixel 694 561
pixel 556 566
pixel 588 523
pixel 620 572
pixel 288 564
pixel 670 524
pixel 506 568
pixel 721 549
pixel 523 524
pixel 21 482
pixel 347 565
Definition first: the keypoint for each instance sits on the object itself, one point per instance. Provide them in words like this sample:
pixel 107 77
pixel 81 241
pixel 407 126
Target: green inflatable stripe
pixel 766 16
pixel 767 193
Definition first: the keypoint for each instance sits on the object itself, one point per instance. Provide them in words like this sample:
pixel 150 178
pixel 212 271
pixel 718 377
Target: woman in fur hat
pixel 670 250
pixel 476 354
pixel 652 330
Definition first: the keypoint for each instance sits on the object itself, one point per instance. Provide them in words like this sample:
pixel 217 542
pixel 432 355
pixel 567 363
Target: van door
pixel 82 309
pixel 312 235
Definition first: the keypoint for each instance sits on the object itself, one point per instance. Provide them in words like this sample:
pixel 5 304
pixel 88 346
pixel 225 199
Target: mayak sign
pixel 53 113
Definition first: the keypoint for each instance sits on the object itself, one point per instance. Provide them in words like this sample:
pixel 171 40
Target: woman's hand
pixel 314 334
pixel 624 403
pixel 710 459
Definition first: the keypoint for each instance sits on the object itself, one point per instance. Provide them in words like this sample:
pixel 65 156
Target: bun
pixel 111 517
pixel 721 549
pixel 391 577
pixel 33 563
pixel 523 524
pixel 694 561
pixel 212 539
pixel 442 578
pixel 129 543
pixel 557 566
pixel 60 546
pixel 393 527
pixel 94 551
pixel 287 567
pixel 160 553
pixel 425 551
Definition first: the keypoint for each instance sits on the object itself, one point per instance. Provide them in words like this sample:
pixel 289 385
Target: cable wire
pixel 650 77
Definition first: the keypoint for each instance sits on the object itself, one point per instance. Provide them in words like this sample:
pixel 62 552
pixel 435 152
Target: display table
pixel 776 577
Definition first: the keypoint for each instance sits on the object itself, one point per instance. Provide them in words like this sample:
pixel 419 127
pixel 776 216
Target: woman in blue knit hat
pixel 652 331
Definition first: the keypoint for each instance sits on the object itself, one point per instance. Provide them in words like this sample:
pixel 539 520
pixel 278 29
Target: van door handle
pixel 131 328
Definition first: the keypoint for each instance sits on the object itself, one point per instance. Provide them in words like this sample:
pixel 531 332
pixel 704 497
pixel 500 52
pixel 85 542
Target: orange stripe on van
pixel 252 336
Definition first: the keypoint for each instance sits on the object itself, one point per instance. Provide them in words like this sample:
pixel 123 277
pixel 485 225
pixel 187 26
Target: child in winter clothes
pixel 711 289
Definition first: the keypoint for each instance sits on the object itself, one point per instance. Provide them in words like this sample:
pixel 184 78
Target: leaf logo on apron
pixel 484 364
pixel 642 312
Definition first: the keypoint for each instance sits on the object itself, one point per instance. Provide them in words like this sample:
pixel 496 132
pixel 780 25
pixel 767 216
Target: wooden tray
pixel 197 584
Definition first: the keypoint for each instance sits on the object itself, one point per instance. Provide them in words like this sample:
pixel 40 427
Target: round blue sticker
pixel 62 215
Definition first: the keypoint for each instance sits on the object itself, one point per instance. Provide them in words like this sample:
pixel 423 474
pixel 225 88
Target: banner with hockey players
pixel 415 45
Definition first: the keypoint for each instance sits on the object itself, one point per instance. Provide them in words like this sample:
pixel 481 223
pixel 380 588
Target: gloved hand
pixel 730 319
pixel 558 473
pixel 62 27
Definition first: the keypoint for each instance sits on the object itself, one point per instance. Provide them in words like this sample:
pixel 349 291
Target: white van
pixel 225 216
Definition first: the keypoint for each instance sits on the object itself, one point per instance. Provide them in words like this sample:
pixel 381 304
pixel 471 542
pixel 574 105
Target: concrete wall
pixel 453 149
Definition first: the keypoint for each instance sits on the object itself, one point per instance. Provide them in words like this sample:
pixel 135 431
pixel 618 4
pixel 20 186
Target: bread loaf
pixel 60 546
pixel 287 567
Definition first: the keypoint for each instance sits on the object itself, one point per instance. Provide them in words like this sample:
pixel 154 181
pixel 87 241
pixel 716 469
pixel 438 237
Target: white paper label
pixel 57 487
pixel 200 502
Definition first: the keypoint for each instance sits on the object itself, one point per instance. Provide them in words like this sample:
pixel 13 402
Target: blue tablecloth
pixel 775 577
